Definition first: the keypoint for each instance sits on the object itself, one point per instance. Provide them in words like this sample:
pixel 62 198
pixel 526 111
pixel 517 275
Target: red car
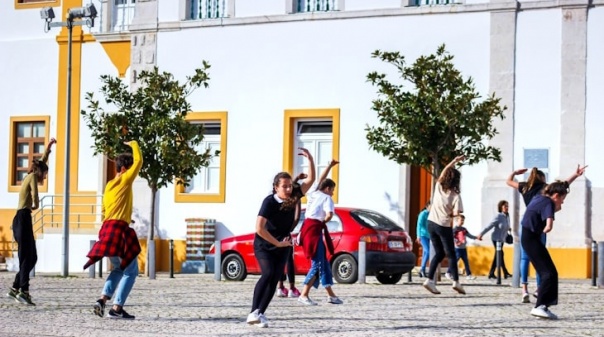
pixel 388 249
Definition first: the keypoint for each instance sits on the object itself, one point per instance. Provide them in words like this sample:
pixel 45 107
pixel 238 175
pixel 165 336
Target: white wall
pixel 258 71
pixel 594 137
pixel 537 115
pixel 355 5
pixel 245 8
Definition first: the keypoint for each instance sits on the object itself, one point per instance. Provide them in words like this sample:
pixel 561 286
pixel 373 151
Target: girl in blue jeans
pixel 423 237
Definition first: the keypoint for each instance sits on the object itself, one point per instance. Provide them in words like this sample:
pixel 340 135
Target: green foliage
pixel 154 115
pixel 439 118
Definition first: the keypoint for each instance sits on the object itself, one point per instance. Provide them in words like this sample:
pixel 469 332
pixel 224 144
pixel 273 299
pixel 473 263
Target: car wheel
pixel 345 269
pixel 233 268
pixel 389 278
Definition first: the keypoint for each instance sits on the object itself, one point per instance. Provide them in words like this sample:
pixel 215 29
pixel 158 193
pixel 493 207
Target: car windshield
pixel 374 220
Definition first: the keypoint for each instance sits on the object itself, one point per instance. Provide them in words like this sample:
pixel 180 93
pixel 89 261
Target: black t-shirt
pixel 528 195
pixel 537 212
pixel 279 222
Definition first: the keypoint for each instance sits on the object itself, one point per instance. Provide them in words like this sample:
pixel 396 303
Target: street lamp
pixel 86 16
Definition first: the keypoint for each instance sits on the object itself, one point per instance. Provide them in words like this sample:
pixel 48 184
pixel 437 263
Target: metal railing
pixel 50 213
pixel 305 6
pixel 208 9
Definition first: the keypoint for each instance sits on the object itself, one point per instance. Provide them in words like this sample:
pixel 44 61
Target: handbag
pixel 509 238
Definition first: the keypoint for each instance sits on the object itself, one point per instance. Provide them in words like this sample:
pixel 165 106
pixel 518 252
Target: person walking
pixel 539 219
pixel 23 226
pixel 315 239
pixel 423 237
pixel 533 186
pixel 273 237
pixel 117 240
pixel 446 204
pixel 500 226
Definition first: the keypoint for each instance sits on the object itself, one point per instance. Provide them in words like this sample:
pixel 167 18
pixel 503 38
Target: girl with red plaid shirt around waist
pixel 116 239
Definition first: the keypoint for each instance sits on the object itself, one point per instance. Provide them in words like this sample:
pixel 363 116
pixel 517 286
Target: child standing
pixel 460 233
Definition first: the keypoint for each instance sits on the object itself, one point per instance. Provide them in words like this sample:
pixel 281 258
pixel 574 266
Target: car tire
pixel 389 278
pixel 233 268
pixel 345 269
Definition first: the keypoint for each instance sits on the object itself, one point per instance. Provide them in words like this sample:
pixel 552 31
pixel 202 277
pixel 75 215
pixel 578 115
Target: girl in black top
pixel 272 241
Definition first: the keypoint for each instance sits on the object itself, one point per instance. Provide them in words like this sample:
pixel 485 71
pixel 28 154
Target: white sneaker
pixel 263 321
pixel 470 277
pixel 526 298
pixel 429 284
pixel 543 312
pixel 306 301
pixel 253 317
pixel 457 287
pixel 334 300
pixel 448 276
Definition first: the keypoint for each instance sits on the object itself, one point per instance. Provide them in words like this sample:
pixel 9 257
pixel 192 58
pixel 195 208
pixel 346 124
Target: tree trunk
pixel 151 238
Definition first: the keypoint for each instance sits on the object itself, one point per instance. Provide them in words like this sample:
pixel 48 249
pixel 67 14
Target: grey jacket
pixel 500 226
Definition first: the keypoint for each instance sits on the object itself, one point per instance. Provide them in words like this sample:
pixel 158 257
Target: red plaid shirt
pixel 116 238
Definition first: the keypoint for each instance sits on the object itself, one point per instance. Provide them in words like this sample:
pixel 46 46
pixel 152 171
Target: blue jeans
pixel 524 264
pixel 319 265
pixel 461 253
pixel 425 241
pixel 120 281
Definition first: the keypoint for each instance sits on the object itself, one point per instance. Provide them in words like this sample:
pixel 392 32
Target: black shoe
pixel 121 314
pixel 507 275
pixel 99 308
pixel 422 273
pixel 492 277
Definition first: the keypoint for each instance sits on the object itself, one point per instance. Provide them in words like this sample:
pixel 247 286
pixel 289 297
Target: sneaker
pixel 253 317
pixel 98 308
pixel 448 276
pixel 293 293
pixel 263 321
pixel 526 298
pixel 306 301
pixel 121 314
pixel 536 294
pixel 543 312
pixel 12 293
pixel 334 300
pixel 25 298
pixel 457 287
pixel 282 292
pixel 470 277
pixel 429 284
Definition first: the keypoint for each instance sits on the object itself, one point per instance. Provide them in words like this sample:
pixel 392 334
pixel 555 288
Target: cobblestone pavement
pixel 197 305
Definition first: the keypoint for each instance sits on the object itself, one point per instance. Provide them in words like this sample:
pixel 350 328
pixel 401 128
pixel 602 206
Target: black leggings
pixel 28 256
pixel 442 240
pixel 271 266
pixel 494 263
pixel 291 272
pixel 542 261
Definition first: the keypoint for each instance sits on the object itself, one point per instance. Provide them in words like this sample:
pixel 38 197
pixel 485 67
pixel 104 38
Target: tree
pixel 155 115
pixel 440 117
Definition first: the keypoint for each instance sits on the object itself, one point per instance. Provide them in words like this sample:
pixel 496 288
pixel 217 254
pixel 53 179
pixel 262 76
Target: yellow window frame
pixel 13 149
pixel 37 4
pixel 289 134
pixel 180 196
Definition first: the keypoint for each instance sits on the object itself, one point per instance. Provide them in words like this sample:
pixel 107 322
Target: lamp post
pixel 85 16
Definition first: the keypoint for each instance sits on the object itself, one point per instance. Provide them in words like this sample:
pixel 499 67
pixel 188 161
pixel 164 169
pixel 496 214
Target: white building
pixel 287 73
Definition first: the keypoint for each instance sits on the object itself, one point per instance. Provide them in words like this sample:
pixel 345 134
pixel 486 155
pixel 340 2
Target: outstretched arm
pixel 310 178
pixel 451 165
pixel 513 183
pixel 44 158
pixel 577 174
pixel 325 173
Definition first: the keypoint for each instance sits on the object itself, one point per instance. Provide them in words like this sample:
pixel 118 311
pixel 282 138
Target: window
pixel 122 14
pixel 208 9
pixel 319 132
pixel 209 184
pixel 333 226
pixel 28 140
pixel 304 6
pixel 538 158
pixel 25 4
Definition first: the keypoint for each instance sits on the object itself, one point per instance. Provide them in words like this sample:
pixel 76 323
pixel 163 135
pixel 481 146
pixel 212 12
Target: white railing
pixel 208 9
pixel 305 6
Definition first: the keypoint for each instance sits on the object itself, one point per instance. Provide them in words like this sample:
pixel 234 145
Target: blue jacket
pixel 422 224
pixel 500 226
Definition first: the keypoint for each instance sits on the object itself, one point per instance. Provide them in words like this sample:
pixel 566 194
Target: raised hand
pixel 520 171
pixel 580 170
pixel 304 152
